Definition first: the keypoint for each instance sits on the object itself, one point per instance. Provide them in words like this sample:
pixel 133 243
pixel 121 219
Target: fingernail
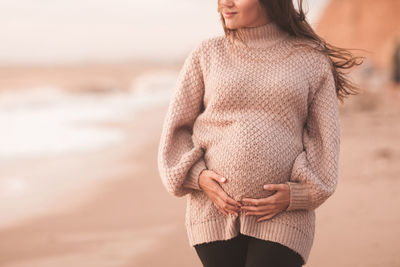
pixel 223 179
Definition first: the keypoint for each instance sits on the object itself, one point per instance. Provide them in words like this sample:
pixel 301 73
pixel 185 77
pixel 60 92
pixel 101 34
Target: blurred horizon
pixel 88 31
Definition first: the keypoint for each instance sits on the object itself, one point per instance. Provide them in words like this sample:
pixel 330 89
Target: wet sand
pixel 128 219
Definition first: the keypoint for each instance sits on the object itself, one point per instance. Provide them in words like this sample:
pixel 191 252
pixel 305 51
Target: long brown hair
pixel 294 22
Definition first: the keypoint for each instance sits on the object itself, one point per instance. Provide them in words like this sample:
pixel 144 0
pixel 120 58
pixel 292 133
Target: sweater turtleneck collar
pixel 262 36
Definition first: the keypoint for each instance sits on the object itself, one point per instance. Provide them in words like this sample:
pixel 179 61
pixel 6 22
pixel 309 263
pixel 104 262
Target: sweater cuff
pixel 298 196
pixel 192 179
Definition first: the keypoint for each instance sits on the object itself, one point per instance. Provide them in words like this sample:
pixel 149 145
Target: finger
pixel 224 211
pixel 227 207
pixel 217 177
pixel 221 209
pixel 250 201
pixel 227 199
pixel 272 187
pixel 266 217
pixel 231 201
pixel 233 212
pixel 224 202
pixel 260 201
pixel 252 208
pixel 230 207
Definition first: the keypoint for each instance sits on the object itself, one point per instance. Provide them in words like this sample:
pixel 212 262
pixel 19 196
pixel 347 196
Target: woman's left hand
pixel 269 206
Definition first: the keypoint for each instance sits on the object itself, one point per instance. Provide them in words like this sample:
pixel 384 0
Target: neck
pixel 262 36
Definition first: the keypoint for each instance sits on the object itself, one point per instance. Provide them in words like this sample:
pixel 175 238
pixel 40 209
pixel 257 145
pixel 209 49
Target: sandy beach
pixel 121 215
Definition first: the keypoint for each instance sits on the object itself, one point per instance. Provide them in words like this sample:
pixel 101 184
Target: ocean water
pixel 45 121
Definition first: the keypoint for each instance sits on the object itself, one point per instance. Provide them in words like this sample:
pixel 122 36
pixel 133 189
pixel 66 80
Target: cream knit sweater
pixel 257 114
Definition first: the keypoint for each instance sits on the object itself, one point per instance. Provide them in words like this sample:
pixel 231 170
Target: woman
pixel 252 135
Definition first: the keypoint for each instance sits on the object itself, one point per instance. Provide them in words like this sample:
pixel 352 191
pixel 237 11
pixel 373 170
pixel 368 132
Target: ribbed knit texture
pixel 259 112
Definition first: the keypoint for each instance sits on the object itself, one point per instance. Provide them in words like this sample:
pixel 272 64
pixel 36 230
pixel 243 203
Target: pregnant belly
pixel 249 166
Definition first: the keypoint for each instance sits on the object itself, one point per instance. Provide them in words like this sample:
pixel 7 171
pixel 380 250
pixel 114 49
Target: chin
pixel 231 27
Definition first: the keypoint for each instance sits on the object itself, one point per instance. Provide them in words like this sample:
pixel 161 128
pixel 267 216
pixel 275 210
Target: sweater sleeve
pixel 314 175
pixel 180 160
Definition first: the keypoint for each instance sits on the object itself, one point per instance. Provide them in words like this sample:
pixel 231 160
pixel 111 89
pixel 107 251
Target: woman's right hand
pixel 209 182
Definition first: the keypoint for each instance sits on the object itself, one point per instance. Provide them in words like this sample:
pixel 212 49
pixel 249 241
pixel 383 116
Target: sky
pixel 74 31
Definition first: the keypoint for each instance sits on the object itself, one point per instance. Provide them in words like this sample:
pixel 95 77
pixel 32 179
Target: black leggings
pixel 247 251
